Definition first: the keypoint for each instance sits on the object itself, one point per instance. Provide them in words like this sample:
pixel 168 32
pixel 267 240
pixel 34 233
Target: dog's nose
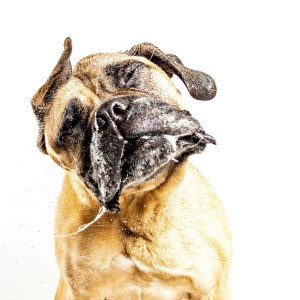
pixel 113 110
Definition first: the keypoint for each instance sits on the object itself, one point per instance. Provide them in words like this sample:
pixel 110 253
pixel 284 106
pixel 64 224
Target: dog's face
pixel 117 120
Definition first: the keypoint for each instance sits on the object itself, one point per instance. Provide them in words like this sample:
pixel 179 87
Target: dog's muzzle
pixel 134 138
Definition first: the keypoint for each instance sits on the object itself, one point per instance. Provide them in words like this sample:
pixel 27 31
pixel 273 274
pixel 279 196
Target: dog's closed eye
pixel 131 73
pixel 125 74
pixel 73 114
pixel 72 124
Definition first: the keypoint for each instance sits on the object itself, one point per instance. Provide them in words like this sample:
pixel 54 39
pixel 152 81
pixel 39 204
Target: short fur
pixel 117 125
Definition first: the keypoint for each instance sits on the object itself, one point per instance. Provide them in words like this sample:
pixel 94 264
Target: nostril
pixel 101 122
pixel 119 109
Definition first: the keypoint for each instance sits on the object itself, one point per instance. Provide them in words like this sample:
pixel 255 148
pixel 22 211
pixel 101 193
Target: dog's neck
pixel 83 206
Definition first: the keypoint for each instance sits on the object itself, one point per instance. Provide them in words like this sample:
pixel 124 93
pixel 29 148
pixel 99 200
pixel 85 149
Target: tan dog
pixel 117 125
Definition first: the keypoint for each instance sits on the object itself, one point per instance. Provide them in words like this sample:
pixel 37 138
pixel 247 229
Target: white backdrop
pixel 251 48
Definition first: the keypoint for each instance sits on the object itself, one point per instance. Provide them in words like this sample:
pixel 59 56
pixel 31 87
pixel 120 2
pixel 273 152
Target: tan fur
pixel 170 239
pixel 142 250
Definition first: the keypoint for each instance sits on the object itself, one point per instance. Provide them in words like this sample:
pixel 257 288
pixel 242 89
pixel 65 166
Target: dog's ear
pixel 200 85
pixel 42 98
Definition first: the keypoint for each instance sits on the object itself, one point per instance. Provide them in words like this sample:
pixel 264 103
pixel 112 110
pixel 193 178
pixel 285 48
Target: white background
pixel 251 48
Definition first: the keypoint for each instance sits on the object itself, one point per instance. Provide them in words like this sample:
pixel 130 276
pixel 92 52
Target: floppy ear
pixel 42 98
pixel 200 85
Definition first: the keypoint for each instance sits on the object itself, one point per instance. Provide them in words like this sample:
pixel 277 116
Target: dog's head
pixel 117 119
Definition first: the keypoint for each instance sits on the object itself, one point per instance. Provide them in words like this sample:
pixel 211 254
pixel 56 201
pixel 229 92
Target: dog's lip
pixel 113 204
pixel 201 136
pixel 197 140
pixel 204 138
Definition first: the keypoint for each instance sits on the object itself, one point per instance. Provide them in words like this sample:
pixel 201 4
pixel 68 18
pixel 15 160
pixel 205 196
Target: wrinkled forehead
pixel 96 64
pixel 102 74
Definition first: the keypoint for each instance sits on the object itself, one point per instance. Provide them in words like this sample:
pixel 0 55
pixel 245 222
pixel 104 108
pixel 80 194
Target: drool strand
pixel 102 211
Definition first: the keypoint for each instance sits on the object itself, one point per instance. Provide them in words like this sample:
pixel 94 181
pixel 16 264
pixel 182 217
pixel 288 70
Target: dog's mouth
pixel 146 155
pixel 137 147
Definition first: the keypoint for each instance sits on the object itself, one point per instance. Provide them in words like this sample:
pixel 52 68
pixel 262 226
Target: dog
pixel 118 126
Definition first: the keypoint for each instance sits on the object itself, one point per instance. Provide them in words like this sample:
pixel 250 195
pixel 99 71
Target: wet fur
pixel 170 238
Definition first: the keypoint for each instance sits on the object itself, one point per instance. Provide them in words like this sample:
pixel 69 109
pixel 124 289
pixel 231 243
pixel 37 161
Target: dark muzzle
pixel 134 137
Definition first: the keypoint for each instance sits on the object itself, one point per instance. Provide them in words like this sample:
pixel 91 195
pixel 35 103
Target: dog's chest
pixel 115 275
pixel 115 260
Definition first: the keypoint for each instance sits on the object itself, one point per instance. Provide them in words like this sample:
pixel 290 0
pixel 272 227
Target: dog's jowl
pixel 118 126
